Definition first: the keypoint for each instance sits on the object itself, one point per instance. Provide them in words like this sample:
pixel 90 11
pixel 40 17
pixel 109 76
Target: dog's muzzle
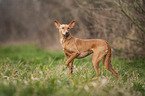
pixel 65 33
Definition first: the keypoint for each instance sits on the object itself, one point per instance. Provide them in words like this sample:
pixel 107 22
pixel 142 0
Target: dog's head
pixel 64 29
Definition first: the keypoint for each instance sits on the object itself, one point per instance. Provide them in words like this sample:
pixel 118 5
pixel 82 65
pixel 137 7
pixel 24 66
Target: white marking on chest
pixel 61 40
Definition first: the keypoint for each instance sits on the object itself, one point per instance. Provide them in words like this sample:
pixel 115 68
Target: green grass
pixel 30 71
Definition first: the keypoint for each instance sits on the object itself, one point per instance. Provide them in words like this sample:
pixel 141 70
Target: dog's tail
pixel 107 58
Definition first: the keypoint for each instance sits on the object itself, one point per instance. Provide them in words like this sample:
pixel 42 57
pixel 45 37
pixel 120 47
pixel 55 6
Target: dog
pixel 80 48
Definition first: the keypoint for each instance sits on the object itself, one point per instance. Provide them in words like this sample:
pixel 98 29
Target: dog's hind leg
pixel 109 66
pixel 103 60
pixel 97 57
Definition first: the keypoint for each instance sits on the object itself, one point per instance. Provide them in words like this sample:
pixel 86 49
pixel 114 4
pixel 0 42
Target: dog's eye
pixel 68 28
pixel 62 27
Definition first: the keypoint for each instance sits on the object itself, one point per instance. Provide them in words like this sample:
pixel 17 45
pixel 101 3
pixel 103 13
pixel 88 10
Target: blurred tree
pixel 107 21
pixel 32 21
pixel 134 10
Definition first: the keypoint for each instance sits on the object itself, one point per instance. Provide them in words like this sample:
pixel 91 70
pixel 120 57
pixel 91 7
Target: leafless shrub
pixel 107 21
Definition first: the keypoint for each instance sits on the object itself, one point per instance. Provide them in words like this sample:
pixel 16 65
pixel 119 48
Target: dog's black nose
pixel 66 33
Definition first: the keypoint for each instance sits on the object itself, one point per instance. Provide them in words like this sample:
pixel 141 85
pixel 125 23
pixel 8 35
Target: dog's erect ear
pixel 57 24
pixel 71 25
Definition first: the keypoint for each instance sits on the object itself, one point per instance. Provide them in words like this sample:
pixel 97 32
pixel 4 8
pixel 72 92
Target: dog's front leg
pixel 71 68
pixel 73 55
pixel 69 62
pixel 67 55
pixel 69 65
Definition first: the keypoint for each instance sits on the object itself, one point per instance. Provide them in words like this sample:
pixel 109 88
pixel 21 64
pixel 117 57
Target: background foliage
pixel 120 22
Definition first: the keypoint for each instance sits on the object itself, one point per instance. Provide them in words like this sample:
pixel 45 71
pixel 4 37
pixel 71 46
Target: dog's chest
pixel 70 47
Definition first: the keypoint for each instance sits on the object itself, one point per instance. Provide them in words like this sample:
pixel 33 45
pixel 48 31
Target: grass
pixel 30 71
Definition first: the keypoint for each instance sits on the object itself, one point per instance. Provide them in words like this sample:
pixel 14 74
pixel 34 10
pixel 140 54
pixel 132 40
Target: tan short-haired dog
pixel 79 48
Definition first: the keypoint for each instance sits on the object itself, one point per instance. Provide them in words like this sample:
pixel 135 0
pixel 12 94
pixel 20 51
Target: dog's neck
pixel 64 38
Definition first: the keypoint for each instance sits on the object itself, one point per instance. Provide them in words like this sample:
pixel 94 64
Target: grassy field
pixel 30 71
